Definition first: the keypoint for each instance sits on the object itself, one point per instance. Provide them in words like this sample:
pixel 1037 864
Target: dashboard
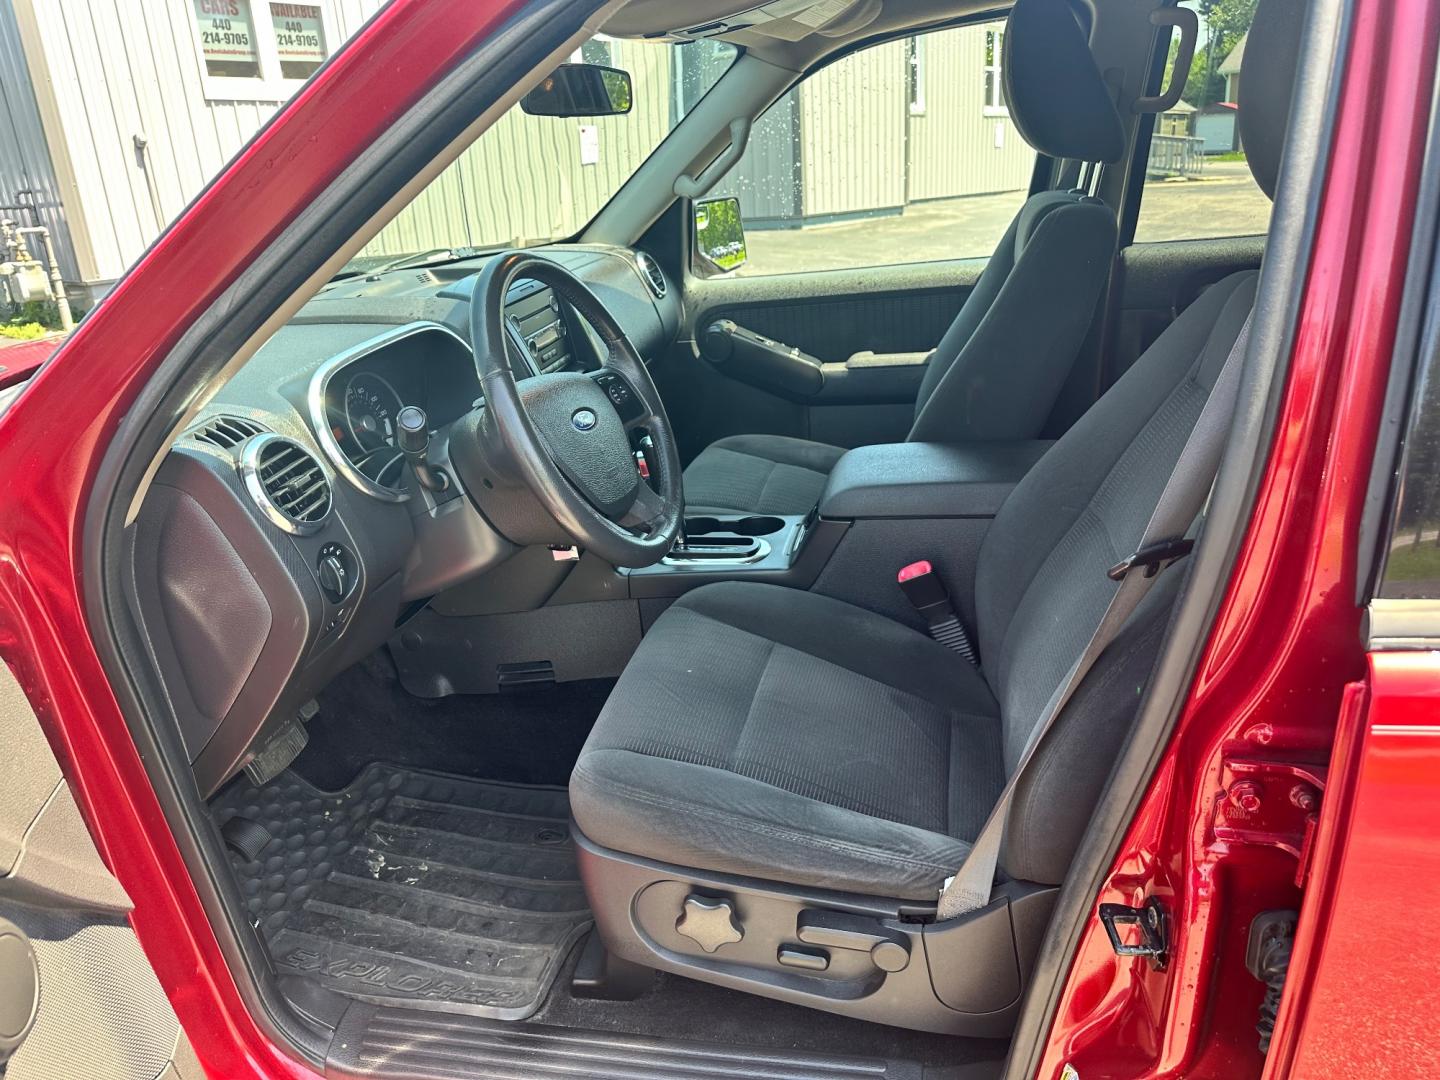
pixel 285 536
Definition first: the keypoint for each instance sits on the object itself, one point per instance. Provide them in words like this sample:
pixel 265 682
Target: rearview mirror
pixel 580 90
pixel 719 233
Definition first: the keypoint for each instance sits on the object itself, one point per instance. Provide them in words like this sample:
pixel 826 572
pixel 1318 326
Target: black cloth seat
pixel 793 739
pixel 758 727
pixel 764 731
pixel 998 369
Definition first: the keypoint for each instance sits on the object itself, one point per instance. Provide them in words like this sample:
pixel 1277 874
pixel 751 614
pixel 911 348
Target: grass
pixel 1414 562
pixel 1234 155
pixel 22 331
pixel 30 321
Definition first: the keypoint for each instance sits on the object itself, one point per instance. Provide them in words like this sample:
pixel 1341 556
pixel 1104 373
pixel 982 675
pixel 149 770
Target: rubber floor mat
pixel 415 888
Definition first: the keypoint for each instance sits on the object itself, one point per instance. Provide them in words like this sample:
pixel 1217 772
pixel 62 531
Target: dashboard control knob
pixel 334 578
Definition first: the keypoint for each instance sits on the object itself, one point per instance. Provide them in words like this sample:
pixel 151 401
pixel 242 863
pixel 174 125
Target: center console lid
pixel 929 480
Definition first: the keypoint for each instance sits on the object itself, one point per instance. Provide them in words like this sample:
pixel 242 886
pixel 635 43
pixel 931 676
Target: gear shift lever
pixel 413 438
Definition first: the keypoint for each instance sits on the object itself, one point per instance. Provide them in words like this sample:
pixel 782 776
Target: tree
pixel 1224 24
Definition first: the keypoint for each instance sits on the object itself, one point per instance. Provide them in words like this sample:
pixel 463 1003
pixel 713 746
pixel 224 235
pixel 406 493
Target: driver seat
pixel 781 783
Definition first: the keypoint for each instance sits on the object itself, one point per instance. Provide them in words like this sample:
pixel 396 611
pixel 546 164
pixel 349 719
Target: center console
pixel 781 549
pixel 566 615
pixel 893 503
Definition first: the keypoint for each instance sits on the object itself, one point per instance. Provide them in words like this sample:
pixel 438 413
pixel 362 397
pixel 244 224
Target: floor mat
pixel 415 888
pixel 531 735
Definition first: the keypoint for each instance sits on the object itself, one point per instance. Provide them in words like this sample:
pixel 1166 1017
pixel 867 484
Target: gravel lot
pixel 1224 202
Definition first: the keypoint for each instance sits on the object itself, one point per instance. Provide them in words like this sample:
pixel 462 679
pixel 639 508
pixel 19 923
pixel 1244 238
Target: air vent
pixel 287 482
pixel 651 269
pixel 226 432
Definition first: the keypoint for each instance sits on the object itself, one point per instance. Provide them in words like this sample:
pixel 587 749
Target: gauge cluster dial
pixel 368 434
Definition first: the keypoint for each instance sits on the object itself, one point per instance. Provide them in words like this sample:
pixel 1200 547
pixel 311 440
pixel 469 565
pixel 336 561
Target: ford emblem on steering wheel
pixel 584 419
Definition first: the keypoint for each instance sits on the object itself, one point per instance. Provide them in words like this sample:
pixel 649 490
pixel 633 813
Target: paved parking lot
pixel 1224 202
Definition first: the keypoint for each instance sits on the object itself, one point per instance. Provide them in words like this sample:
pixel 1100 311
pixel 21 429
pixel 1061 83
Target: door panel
pixel 101 1013
pixel 1155 282
pixel 832 316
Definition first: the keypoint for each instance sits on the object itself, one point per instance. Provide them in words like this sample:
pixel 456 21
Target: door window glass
pixel 1197 185
pixel 1412 560
pixel 899 153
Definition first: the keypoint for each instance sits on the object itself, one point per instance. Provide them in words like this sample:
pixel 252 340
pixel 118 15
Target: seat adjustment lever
pixel 836 930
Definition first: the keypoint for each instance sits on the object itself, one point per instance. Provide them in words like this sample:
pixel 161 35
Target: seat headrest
pixel 1056 94
pixel 1267 83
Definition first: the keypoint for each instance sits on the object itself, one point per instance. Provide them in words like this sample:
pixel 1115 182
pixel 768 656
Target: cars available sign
pixel 227 32
pixel 299 32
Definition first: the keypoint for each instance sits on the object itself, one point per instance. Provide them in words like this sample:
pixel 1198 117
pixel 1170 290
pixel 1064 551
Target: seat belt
pixel 1161 544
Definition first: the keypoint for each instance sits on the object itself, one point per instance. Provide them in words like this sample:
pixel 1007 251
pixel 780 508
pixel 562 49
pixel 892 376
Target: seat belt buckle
pixel 924 589
pixel 927 594
pixel 1152 559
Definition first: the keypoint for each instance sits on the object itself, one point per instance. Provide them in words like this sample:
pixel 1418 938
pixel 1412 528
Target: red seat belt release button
pixel 924 589
pixel 926 593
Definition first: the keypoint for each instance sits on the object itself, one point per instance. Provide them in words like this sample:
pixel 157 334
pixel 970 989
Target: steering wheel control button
pixel 620 395
pixel 709 922
pixel 584 419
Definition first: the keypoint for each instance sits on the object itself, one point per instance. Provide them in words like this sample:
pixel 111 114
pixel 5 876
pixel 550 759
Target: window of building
pixel 299 39
pixel 994 81
pixel 890 155
pixel 1197 185
pixel 258 50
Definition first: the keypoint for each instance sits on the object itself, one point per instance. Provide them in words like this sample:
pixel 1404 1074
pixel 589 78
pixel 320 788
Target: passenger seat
pixel 998 369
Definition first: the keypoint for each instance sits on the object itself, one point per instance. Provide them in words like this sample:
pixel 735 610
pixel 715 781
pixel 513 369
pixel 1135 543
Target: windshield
pixel 534 179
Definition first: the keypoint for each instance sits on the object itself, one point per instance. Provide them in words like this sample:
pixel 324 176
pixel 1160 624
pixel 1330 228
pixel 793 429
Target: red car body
pixel 20 362
pixel 1282 694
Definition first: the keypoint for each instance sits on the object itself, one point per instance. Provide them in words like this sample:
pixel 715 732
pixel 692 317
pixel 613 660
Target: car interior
pixel 583 644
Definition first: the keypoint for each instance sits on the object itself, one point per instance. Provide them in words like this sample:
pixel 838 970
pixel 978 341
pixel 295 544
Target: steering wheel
pixel 549 458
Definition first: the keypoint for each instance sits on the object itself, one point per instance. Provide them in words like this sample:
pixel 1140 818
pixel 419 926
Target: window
pixel 534 179
pixel 890 155
pixel 258 50
pixel 599 50
pixel 1197 185
pixel 299 39
pixel 227 39
pixel 1412 562
pixel 994 81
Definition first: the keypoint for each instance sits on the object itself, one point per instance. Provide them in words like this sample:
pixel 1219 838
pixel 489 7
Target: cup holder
pixel 762 525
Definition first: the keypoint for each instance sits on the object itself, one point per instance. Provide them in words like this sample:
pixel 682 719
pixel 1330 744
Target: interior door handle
pixel 754 358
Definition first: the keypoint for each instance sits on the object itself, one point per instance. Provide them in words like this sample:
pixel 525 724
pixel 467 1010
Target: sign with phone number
pixel 225 30
pixel 299 32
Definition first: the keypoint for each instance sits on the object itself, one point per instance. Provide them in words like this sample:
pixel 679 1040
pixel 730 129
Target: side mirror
pixel 719 234
pixel 580 90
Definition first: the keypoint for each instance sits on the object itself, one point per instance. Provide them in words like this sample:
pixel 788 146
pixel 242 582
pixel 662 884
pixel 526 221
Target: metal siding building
pixel 27 174
pixel 132 135
pixel 859 138
pixel 957 146
pixel 115 119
